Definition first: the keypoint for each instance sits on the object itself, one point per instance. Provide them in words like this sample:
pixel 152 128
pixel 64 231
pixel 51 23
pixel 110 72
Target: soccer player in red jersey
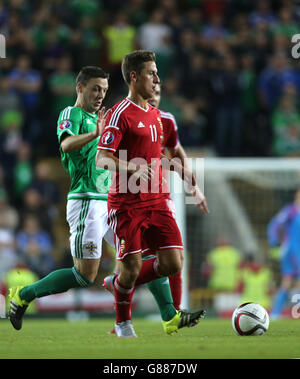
pixel 130 145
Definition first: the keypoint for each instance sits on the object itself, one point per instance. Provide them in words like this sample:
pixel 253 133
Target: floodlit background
pixel 230 80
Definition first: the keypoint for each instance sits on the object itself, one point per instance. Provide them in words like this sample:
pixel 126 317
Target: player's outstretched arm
pixel 187 176
pixel 73 143
pixel 106 160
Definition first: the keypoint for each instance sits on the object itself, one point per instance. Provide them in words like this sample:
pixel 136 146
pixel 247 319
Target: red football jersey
pixel 133 134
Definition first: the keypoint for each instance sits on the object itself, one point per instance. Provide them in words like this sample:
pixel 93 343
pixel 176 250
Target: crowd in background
pixel 226 70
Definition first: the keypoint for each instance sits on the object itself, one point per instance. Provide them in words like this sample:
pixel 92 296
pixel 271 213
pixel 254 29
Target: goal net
pixel 242 195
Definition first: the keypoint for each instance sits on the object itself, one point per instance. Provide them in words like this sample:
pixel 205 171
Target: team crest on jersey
pixel 107 138
pixel 65 125
pixel 122 246
pixel 90 248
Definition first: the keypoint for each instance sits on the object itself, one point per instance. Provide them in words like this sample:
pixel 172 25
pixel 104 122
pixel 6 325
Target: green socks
pixel 56 282
pixel 62 280
pixel 162 294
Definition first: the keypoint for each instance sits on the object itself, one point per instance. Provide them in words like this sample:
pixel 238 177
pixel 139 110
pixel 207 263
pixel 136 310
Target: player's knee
pixel 87 272
pixel 133 273
pixel 169 268
pixel 88 268
pixel 130 269
pixel 89 275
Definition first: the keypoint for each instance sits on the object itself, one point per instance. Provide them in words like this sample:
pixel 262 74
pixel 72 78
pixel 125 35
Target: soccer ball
pixel 250 319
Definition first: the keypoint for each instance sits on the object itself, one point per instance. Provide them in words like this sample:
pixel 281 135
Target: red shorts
pixel 141 229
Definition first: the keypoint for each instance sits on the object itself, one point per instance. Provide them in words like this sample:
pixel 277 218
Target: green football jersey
pixel 87 181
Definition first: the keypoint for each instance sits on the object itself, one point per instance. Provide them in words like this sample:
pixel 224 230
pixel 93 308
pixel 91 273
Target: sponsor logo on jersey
pixel 65 125
pixel 107 138
pixel 141 125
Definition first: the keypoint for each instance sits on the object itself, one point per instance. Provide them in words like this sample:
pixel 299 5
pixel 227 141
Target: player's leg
pixel 86 251
pixel 175 281
pixel 127 227
pixel 123 286
pixel 167 293
pixel 281 296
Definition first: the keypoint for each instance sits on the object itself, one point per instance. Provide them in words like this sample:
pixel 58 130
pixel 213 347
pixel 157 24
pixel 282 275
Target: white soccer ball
pixel 250 319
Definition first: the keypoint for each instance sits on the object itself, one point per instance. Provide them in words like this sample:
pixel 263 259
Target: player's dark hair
pixel 135 62
pixel 89 72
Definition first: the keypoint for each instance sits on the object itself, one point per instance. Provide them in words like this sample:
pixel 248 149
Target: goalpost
pixel 243 194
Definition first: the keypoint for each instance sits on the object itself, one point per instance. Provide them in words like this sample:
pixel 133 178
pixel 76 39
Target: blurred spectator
pixel 241 37
pixel 274 78
pixel 136 12
pixel 227 92
pixel 186 49
pixel 10 139
pixel 8 223
pixel 171 100
pixel 255 282
pixel 33 205
pixel 249 104
pixel 194 78
pixel 86 39
pixel 9 215
pixel 3 18
pixel 27 82
pixel 35 247
pixel 23 171
pixel 61 86
pixel 19 275
pixel 51 51
pixel 47 188
pixel 83 8
pixel 152 34
pixel 263 14
pixel 286 25
pixel 260 51
pixel 223 263
pixel 286 128
pixel 192 127
pixel 8 98
pixel 248 82
pixel 193 20
pixel 18 36
pixel 120 39
pixel 214 30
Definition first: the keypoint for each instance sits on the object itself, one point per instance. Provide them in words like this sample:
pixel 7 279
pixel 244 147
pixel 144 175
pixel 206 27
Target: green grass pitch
pixel 212 338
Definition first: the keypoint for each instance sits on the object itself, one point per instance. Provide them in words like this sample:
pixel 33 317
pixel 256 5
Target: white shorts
pixel 87 219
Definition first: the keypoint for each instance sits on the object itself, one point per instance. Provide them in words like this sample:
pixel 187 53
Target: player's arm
pixel 71 143
pixel 107 160
pixel 277 225
pixel 188 176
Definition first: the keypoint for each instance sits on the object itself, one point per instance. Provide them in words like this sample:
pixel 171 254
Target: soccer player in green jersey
pixel 78 130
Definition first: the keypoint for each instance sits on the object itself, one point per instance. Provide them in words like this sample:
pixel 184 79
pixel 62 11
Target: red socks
pixel 148 272
pixel 176 289
pixel 123 295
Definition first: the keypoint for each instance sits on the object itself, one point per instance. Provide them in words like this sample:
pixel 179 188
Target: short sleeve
pixel 69 121
pixel 171 138
pixel 113 132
